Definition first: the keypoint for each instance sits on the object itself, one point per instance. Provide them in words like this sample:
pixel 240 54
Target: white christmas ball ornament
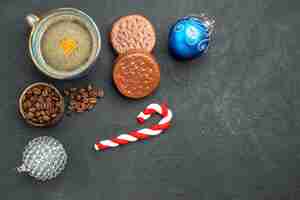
pixel 44 158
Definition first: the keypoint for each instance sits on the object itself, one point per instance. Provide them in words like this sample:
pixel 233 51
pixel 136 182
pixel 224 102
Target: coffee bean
pixel 40 99
pixel 72 96
pixel 29 93
pixel 32 99
pixel 73 89
pixel 45 93
pixel 85 95
pixel 83 106
pixel 44 106
pixel 72 102
pixel 82 90
pixel 30 115
pixel 67 93
pixel 51 110
pixel 100 93
pixel 37 114
pixel 90 87
pixel 38 106
pixel 36 91
pixel 92 93
pixel 34 119
pixel 32 109
pixel 83 99
pixel 93 100
pixel 26 105
pixel 27 96
pixel 90 107
pixel 46 118
pixel 78 97
pixel 54 98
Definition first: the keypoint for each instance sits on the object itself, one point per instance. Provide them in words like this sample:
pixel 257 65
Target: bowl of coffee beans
pixel 41 105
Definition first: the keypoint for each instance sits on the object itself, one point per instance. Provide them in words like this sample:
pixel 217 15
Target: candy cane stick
pixel 144 133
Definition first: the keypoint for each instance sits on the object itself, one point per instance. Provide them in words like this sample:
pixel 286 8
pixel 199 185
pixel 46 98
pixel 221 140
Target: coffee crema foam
pixel 66 45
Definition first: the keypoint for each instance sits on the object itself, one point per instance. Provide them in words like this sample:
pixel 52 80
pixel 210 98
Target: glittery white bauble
pixel 44 158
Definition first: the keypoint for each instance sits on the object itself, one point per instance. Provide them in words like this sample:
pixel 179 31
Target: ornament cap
pixel 207 21
pixel 22 169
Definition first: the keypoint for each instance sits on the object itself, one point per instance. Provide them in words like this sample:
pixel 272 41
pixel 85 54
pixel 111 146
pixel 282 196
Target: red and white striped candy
pixel 144 133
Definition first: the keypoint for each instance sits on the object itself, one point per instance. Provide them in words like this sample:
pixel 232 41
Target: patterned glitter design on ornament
pixel 189 37
pixel 44 158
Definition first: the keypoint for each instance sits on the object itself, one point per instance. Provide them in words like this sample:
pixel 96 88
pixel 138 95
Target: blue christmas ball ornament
pixel 189 37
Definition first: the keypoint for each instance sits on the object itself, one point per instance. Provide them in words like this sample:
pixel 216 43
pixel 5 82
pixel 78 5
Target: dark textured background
pixel 235 134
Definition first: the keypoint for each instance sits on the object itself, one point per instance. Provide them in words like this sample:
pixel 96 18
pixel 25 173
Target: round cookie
pixel 136 74
pixel 132 32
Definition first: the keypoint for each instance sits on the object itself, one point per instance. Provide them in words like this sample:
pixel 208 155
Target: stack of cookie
pixel 136 73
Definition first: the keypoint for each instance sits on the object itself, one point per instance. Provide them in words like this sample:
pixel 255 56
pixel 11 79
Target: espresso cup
pixel 64 43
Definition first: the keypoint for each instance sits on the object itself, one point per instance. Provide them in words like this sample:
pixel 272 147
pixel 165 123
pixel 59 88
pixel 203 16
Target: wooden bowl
pixel 53 121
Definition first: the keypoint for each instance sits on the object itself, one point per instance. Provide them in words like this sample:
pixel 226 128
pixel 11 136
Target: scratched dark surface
pixel 236 131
